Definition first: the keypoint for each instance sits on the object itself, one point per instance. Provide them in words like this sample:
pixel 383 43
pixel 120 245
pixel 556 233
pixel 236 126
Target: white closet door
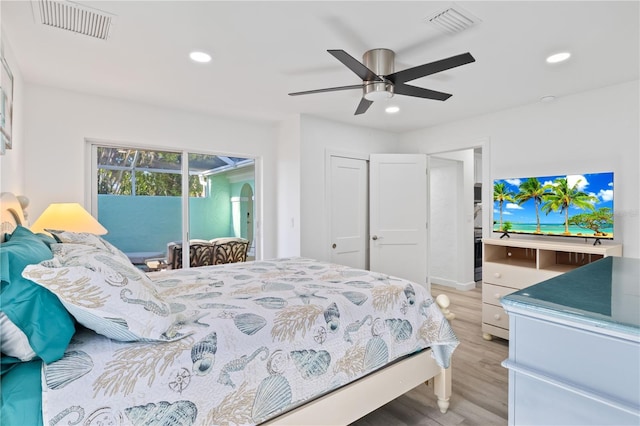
pixel 398 215
pixel 348 210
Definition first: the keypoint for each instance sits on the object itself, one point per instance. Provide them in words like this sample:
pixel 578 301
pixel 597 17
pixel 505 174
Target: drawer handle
pixel 497 295
pixel 496 316
pixel 497 274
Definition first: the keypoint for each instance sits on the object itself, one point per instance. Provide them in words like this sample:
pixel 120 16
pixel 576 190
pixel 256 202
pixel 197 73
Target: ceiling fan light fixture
pixel 392 109
pixel 377 91
pixel 379 82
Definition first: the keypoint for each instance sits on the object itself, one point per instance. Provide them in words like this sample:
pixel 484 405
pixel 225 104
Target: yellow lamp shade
pixel 70 217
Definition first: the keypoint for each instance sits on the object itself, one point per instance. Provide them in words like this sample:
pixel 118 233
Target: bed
pixel 289 341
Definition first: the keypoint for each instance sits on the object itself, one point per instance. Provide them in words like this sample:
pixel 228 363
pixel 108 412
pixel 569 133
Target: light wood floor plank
pixel 480 383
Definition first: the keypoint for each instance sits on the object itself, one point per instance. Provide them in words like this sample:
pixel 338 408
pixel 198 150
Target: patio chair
pixel 229 250
pixel 200 254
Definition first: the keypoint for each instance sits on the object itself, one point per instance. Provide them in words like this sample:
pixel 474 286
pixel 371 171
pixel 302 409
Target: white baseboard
pixel 454 284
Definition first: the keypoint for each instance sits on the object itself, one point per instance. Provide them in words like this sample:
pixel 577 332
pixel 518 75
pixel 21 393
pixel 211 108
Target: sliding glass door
pixel 143 196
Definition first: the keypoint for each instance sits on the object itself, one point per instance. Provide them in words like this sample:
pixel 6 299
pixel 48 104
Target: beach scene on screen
pixel 559 205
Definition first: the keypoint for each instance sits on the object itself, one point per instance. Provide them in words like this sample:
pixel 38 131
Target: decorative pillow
pixel 105 293
pixel 47 239
pixel 77 238
pixel 88 240
pixel 34 310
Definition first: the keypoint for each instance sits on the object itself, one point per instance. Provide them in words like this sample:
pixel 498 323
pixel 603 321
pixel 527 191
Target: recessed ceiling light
pixel 558 57
pixel 392 109
pixel 200 57
pixel 548 98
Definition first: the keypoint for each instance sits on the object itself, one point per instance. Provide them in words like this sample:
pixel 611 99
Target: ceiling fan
pixel 379 81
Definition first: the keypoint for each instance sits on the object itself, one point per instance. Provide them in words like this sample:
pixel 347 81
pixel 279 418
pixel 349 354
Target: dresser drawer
pixel 609 367
pixel 517 277
pixel 495 315
pixel 493 293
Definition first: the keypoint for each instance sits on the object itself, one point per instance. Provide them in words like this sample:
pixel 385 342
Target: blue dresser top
pixel 605 293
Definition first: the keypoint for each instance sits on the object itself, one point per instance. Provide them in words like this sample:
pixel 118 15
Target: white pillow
pixel 86 239
pixel 78 238
pixel 13 341
pixel 104 292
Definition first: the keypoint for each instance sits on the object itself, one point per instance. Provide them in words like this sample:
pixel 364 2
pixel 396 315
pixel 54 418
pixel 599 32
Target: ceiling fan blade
pixel 363 106
pixel 354 65
pixel 419 92
pixel 329 89
pixel 430 68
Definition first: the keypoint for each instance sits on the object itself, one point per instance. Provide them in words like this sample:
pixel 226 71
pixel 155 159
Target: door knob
pixel 375 237
pixel 334 245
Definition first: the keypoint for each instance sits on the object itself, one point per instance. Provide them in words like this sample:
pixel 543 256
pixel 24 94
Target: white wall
pixel 288 178
pixel 318 136
pixel 58 121
pixel 12 162
pixel 591 131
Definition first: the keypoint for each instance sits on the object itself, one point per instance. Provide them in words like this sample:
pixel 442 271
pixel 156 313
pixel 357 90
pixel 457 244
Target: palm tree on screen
pixel 502 194
pixel 562 196
pixel 531 189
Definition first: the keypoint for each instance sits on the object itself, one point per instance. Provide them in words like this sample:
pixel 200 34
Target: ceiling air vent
pixel 453 20
pixel 74 17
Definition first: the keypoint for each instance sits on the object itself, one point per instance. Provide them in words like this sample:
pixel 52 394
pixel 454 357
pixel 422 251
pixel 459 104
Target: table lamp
pixel 70 217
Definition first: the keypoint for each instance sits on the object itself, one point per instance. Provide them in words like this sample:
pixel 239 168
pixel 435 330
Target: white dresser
pixel 513 264
pixel 574 349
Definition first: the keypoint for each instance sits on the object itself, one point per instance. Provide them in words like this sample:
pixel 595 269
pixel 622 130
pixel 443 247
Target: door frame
pixel 327 196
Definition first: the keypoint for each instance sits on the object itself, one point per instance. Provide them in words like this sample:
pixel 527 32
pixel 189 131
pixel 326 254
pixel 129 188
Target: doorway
pixel 247 214
pixel 456 219
pixel 446 177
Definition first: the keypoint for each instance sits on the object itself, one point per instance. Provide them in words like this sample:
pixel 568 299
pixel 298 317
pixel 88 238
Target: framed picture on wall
pixel 6 103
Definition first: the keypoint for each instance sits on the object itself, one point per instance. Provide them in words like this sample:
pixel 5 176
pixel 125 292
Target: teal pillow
pixel 33 309
pixel 46 238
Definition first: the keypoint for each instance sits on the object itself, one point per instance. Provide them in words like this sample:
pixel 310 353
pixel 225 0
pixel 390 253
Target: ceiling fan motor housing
pixel 381 62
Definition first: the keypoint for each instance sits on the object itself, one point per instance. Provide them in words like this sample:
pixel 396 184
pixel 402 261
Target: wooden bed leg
pixel 442 388
pixel 443 302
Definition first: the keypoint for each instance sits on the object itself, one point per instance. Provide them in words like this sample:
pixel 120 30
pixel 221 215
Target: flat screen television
pixel 559 205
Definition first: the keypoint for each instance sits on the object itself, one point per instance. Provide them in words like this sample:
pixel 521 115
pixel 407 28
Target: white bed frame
pixel 359 398
pixel 344 405
pixel 11 212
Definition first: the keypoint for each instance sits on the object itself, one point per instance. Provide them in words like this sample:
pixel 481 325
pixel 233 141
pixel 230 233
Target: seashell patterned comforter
pixel 259 339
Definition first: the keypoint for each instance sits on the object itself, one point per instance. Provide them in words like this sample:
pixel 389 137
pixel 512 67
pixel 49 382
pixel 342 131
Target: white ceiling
pixel 263 50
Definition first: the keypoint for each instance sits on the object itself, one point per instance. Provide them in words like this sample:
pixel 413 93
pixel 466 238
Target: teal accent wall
pixel 210 217
pixel 140 223
pixel 147 224
pixel 236 187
